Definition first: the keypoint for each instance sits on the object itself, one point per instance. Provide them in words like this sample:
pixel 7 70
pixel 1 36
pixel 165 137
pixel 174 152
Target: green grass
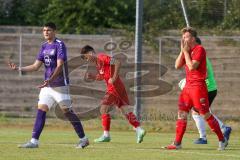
pixel 59 144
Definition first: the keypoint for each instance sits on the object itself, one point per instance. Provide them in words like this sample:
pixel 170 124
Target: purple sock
pixel 77 125
pixel 39 124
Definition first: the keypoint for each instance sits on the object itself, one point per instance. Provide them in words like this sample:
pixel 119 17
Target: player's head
pixel 87 53
pixel 49 31
pixel 189 35
pixel 198 40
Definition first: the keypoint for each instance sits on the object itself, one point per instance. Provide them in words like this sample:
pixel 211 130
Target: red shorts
pixel 194 96
pixel 111 100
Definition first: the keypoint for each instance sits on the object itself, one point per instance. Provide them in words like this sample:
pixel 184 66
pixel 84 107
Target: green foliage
pixel 11 13
pixel 95 16
pixel 87 16
pixel 22 12
pixel 205 13
pixel 232 19
pixel 162 15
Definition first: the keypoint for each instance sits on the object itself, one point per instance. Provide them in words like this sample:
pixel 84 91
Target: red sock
pixel 214 125
pixel 132 119
pixel 106 121
pixel 180 130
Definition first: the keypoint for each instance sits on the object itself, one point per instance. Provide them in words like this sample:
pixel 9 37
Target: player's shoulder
pixel 102 55
pixel 59 42
pixel 199 48
pixel 44 44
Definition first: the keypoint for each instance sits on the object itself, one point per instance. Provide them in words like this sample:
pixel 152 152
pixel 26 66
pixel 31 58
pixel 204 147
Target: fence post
pixel 20 54
pixel 138 56
pixel 160 56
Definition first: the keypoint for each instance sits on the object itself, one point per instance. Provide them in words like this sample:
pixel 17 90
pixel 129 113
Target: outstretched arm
pixel 34 67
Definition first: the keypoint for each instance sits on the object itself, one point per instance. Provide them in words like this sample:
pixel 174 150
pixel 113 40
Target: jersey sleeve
pixel 40 55
pixel 199 54
pixel 61 51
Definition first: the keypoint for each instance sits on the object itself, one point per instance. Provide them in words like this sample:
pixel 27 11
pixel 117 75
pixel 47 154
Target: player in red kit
pixel 193 58
pixel 116 95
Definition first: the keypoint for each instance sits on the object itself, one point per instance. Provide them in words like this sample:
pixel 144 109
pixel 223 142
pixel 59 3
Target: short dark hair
pixel 50 25
pixel 191 30
pixel 198 40
pixel 86 49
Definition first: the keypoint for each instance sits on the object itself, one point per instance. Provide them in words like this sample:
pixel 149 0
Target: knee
pixel 65 106
pixel 182 115
pixel 104 109
pixel 194 112
pixel 206 115
pixel 126 110
pixel 65 109
pixel 43 107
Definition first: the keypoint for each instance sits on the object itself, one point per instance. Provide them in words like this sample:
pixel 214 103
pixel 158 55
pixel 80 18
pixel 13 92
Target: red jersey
pixel 197 76
pixel 106 71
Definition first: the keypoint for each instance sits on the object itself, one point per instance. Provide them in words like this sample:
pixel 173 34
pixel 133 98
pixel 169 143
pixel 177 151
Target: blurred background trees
pixel 93 16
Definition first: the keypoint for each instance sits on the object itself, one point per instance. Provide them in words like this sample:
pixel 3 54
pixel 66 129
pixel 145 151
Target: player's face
pixel 188 38
pixel 48 33
pixel 89 57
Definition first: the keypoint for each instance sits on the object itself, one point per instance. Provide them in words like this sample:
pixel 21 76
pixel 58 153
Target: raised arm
pixel 179 63
pixel 192 64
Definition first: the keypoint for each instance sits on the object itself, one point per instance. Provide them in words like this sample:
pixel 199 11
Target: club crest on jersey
pixel 52 52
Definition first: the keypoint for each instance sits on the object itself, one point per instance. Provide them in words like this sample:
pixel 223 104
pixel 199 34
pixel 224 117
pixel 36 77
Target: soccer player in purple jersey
pixel 55 88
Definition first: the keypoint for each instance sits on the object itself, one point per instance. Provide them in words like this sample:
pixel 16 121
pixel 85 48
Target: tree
pixel 21 12
pixel 94 16
pixel 232 19
pixel 87 16
pixel 206 13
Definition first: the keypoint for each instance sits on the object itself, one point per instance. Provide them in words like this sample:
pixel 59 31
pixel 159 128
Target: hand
pixel 111 80
pixel 182 44
pixel 89 76
pixel 186 47
pixel 45 83
pixel 12 65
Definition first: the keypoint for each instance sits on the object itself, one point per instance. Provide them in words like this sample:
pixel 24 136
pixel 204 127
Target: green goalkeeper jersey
pixel 210 80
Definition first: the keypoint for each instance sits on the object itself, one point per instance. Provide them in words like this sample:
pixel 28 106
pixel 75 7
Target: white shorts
pixel 51 96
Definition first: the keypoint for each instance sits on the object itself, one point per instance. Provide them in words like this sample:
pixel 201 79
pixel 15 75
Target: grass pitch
pixel 59 144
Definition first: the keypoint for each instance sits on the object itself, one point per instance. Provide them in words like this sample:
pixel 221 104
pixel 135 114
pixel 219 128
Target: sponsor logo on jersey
pixel 47 60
